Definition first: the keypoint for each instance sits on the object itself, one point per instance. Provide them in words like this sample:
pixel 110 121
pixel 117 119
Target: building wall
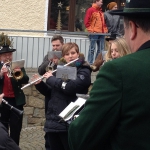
pixel 23 15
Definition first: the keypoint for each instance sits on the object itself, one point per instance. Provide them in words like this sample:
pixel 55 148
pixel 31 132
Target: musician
pixel 6 143
pixel 61 93
pixel 12 93
pixel 116 116
pixel 57 42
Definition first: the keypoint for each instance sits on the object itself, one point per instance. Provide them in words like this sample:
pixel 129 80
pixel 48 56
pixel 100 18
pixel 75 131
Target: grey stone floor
pixel 32 138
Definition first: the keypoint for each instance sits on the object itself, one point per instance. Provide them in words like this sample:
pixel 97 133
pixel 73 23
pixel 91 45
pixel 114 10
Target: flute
pixel 43 76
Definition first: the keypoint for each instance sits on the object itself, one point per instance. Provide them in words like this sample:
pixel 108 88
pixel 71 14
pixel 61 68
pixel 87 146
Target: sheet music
pixel 66 72
pixel 69 111
pixel 17 63
pixel 52 54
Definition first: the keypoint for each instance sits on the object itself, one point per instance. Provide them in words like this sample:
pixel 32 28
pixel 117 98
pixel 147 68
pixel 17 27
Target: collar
pixel 144 46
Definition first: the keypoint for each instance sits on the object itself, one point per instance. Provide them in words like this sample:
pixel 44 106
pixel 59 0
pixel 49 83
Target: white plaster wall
pixel 23 15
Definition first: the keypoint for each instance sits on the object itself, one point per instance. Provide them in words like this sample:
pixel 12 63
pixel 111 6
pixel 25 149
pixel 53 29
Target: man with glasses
pixel 116 116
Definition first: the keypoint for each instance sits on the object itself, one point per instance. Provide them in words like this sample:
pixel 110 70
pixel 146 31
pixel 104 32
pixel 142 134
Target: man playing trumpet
pixel 11 88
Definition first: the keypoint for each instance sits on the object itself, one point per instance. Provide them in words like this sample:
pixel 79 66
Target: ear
pixel 133 30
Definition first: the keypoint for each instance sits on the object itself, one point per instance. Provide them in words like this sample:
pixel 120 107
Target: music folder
pixel 66 72
pixel 70 110
pixel 17 63
pixel 53 54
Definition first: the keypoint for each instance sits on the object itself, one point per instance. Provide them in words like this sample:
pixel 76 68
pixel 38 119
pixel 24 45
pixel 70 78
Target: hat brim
pixel 10 50
pixel 108 39
pixel 121 12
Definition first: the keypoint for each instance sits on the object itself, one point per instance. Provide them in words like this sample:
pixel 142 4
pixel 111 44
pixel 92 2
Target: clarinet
pixel 16 111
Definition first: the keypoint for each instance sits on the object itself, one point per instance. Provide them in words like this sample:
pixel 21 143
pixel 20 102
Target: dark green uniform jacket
pixel 16 84
pixel 117 114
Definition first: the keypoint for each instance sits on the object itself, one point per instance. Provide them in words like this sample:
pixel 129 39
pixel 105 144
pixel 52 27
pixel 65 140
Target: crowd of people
pixel 116 114
pixel 98 24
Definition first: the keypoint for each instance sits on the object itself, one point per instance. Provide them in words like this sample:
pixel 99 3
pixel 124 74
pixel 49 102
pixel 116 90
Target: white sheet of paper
pixel 77 104
pixel 17 63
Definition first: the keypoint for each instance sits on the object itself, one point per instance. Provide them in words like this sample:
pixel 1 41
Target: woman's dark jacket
pixel 60 98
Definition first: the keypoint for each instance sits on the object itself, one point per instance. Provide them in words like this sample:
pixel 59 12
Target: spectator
pixel 95 23
pixel 118 48
pixel 101 56
pixel 116 116
pixel 112 21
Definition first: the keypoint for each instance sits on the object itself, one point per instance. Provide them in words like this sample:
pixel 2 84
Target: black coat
pixel 60 98
pixel 6 142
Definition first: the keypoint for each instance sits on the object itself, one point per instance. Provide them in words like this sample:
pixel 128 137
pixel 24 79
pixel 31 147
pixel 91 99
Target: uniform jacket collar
pixel 145 46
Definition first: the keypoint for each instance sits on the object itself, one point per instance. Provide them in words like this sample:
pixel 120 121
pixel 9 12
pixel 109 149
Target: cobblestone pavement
pixel 32 138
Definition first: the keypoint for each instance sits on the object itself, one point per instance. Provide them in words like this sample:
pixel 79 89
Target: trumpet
pixel 16 111
pixel 43 76
pixel 50 66
pixel 11 73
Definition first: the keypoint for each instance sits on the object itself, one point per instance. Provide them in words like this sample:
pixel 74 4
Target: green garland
pixel 4 40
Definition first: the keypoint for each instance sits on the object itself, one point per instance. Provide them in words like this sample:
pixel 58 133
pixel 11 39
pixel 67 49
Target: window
pixel 81 7
pixel 59 15
pixel 68 15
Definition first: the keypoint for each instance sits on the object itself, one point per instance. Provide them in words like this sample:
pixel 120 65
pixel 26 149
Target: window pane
pixel 59 14
pixel 81 7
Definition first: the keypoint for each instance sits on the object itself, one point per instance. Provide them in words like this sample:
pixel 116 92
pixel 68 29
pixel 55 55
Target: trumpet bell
pixel 17 75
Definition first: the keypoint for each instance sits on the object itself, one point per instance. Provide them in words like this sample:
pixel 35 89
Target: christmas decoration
pixel 60 4
pixel 82 10
pixel 59 24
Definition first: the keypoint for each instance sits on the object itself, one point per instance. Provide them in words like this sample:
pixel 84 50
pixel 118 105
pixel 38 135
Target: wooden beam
pixel 71 23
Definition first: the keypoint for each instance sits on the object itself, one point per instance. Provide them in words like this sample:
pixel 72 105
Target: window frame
pixel 71 15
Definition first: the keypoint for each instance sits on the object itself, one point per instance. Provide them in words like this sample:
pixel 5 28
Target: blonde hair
pixel 68 46
pixel 122 48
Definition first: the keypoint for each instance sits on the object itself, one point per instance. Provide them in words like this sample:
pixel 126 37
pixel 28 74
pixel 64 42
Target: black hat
pixel 134 8
pixel 6 49
pixel 111 37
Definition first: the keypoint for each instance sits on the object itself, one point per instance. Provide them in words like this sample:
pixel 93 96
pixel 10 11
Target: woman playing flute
pixel 61 93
